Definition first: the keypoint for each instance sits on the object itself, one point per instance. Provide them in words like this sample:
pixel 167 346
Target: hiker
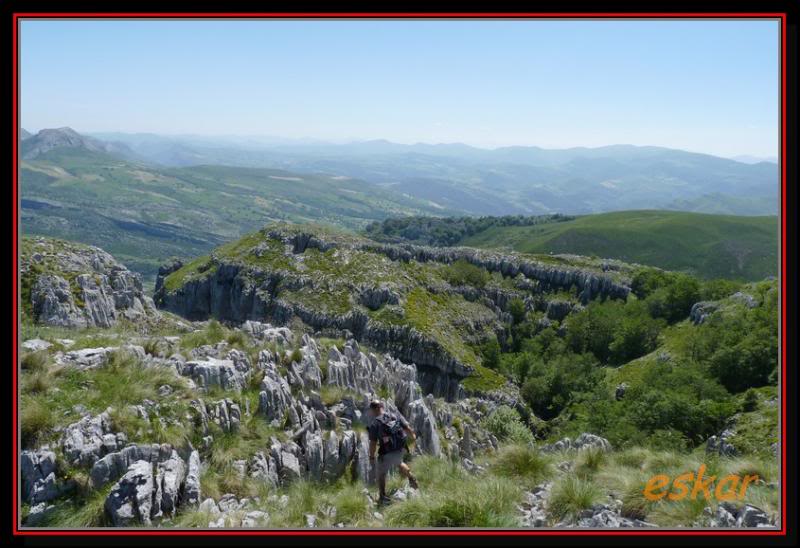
pixel 388 434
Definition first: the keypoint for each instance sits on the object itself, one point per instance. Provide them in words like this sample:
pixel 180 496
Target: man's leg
pixel 405 470
pixel 382 483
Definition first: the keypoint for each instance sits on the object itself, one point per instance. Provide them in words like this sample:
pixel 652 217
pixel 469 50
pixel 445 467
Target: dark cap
pixel 375 404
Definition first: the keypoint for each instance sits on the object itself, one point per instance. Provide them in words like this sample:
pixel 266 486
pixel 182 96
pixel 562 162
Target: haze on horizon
pixel 702 86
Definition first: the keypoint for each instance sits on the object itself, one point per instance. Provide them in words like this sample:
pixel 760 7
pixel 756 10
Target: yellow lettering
pixel 745 482
pixel 680 485
pixel 702 485
pixel 658 481
pixel 730 493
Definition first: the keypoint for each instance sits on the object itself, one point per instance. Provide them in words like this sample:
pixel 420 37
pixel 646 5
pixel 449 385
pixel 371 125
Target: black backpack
pixel 391 435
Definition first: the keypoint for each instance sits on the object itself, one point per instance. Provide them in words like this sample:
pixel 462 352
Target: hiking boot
pixel 412 481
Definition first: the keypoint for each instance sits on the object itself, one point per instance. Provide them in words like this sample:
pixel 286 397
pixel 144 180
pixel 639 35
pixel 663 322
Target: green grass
pixel 523 463
pixel 452 498
pixel 570 496
pixel 50 393
pixel 711 246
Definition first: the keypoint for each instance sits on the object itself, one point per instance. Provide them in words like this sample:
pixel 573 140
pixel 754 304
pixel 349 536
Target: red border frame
pixel 396 15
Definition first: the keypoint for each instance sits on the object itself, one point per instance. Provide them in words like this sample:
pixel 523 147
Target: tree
pixel 750 363
pixel 635 335
pixel 490 352
pixel 516 307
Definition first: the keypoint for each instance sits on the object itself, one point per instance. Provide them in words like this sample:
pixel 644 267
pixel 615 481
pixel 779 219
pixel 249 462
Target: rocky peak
pixel 72 285
pixel 46 140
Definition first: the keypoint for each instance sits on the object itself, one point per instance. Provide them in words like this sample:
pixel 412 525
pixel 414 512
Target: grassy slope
pixel 708 245
pixel 143 214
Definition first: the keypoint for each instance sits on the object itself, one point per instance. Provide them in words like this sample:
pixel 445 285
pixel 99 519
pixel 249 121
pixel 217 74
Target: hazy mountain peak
pixel 66 137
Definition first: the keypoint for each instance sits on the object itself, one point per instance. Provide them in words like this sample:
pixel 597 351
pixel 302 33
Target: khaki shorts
pixel 388 461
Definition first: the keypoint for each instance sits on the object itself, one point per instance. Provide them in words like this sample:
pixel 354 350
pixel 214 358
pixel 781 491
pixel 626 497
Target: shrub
pixel 714 290
pixel 552 385
pixel 750 401
pixel 463 272
pixel 674 300
pixel 746 364
pixel 506 424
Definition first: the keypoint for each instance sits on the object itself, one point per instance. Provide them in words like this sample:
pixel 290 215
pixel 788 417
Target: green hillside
pixel 710 246
pixel 145 214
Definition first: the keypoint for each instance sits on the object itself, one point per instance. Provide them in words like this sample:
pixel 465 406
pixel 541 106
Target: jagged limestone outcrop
pixel 72 285
pixel 401 299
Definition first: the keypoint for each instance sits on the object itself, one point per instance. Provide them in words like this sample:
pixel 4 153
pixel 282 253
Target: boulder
pixel 113 465
pixel 701 311
pixel 423 423
pixel 274 399
pixel 314 455
pixel 586 441
pixel 290 467
pixel 169 478
pixel 214 372
pixel 226 414
pixel 264 468
pixel 38 476
pixel 131 499
pixel 191 490
pixel 34 345
pixel 86 358
pixel 85 441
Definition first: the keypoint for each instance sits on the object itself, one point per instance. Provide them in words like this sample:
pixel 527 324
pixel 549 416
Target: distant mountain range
pixel 747 159
pixel 87 190
pixel 508 180
pixel 145 197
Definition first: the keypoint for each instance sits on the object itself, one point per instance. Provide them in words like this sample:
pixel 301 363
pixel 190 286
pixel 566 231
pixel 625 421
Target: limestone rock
pixel 131 499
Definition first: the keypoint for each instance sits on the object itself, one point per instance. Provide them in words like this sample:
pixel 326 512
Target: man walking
pixel 388 434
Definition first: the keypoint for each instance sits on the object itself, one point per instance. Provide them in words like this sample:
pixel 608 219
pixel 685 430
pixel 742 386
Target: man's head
pixel 376 408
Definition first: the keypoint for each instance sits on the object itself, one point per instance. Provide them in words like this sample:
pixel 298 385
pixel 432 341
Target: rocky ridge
pixel 72 285
pixel 396 298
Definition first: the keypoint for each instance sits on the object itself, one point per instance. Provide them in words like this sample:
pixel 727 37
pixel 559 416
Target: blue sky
pixel 707 86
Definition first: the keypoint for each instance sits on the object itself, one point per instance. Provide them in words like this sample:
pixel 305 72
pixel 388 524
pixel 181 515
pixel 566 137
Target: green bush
pixel 506 424
pixel 463 272
pixel 750 362
pixel 750 401
pixel 551 386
